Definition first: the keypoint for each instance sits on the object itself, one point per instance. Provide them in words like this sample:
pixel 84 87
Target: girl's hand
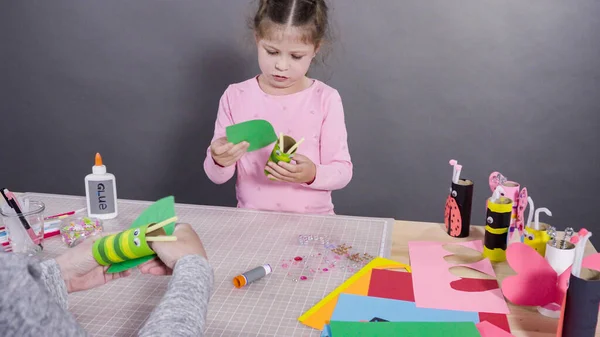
pixel 225 153
pixel 304 171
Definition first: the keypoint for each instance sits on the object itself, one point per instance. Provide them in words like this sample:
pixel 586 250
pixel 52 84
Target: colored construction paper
pixel 326 331
pixel 357 308
pixel 161 210
pixel 487 329
pixel 258 132
pixel 474 284
pixel 391 284
pixel 403 329
pixel 533 272
pixel 499 320
pixel 432 280
pixel 358 284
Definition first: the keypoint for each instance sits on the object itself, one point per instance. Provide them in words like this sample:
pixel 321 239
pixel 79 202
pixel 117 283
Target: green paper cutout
pixel 258 132
pixel 404 329
pixel 161 210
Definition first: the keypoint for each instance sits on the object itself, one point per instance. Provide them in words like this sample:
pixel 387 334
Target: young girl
pixel 289 33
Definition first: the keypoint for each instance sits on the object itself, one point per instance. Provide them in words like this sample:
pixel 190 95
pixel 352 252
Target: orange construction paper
pixel 358 284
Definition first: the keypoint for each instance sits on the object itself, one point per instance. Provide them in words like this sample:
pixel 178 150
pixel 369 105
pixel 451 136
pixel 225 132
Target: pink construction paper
pixel 432 278
pixel 487 329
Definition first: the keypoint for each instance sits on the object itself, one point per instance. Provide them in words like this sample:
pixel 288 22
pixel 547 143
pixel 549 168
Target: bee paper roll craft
pixel 536 236
pixel 128 249
pixel 258 133
pixel 513 191
pixel 284 149
pixel 457 212
pixel 497 224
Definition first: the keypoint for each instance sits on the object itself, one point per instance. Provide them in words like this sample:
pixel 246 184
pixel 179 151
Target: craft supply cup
pixel 560 259
pixel 20 241
pixel 278 154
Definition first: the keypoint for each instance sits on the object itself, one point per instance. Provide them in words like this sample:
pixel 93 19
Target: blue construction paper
pixel 356 308
pixel 326 331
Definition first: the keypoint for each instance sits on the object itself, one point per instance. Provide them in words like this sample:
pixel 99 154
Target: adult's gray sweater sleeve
pixel 33 300
pixel 182 310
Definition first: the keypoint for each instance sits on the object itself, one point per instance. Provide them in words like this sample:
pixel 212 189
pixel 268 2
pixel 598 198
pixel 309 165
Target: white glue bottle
pixel 101 192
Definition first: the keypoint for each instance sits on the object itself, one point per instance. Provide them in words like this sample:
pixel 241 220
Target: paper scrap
pixel 391 284
pixel 432 280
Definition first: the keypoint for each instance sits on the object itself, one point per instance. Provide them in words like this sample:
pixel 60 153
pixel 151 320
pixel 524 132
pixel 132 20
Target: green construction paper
pixel 404 329
pixel 258 132
pixel 161 210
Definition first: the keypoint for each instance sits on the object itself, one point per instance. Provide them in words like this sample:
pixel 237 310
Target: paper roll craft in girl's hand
pixel 130 248
pixel 283 150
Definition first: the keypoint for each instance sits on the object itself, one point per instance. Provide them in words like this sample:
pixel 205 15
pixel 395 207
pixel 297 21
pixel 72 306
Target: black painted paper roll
pixel 457 215
pixel 581 308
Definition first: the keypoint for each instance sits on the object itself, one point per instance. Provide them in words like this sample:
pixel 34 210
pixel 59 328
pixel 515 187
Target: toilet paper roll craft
pixel 130 244
pixel 284 150
pixel 154 223
pixel 513 191
pixel 258 133
pixel 579 316
pixel 537 236
pixel 457 210
pixel 497 224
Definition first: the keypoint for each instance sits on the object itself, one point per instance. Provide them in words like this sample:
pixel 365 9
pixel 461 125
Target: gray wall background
pixel 508 85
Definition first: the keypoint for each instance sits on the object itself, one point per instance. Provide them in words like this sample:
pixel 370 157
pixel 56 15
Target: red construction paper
pixel 474 285
pixel 499 320
pixel 392 285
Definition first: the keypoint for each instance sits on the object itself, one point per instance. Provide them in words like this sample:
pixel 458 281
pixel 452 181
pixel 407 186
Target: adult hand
pixel 169 252
pixel 225 153
pixel 303 171
pixel 80 270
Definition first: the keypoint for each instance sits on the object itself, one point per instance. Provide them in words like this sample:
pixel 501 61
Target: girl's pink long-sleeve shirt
pixel 315 114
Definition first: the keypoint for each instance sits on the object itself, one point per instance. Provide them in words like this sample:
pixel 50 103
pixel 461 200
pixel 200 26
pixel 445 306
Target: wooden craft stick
pixel 161 224
pixel 161 238
pixel 281 141
pixel 295 146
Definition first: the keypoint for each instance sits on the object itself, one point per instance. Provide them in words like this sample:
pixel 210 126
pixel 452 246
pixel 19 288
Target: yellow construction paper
pixel 358 284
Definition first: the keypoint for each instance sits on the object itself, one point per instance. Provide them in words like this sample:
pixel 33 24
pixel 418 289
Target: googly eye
pixel 530 237
pixel 490 220
pixel 277 152
pixel 136 232
pixel 454 194
pixel 136 241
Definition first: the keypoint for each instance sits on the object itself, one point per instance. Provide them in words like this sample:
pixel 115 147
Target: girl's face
pixel 284 60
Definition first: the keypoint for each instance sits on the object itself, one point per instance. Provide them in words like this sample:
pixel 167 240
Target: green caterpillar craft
pixel 130 244
pixel 152 225
pixel 283 150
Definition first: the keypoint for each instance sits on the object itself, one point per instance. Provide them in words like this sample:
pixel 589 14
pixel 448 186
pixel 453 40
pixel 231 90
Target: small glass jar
pixel 74 231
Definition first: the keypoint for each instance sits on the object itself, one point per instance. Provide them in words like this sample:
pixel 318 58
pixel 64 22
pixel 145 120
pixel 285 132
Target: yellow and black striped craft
pixel 496 229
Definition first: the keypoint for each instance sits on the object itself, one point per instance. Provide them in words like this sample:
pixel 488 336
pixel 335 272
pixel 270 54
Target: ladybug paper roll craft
pixel 130 244
pixel 519 196
pixel 579 316
pixel 498 214
pixel 457 212
pixel 284 149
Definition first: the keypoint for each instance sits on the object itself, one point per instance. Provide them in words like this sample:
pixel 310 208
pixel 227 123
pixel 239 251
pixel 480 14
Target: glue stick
pixel 101 192
pixel 252 275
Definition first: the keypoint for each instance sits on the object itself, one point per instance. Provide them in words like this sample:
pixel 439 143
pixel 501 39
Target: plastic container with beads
pixel 79 229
